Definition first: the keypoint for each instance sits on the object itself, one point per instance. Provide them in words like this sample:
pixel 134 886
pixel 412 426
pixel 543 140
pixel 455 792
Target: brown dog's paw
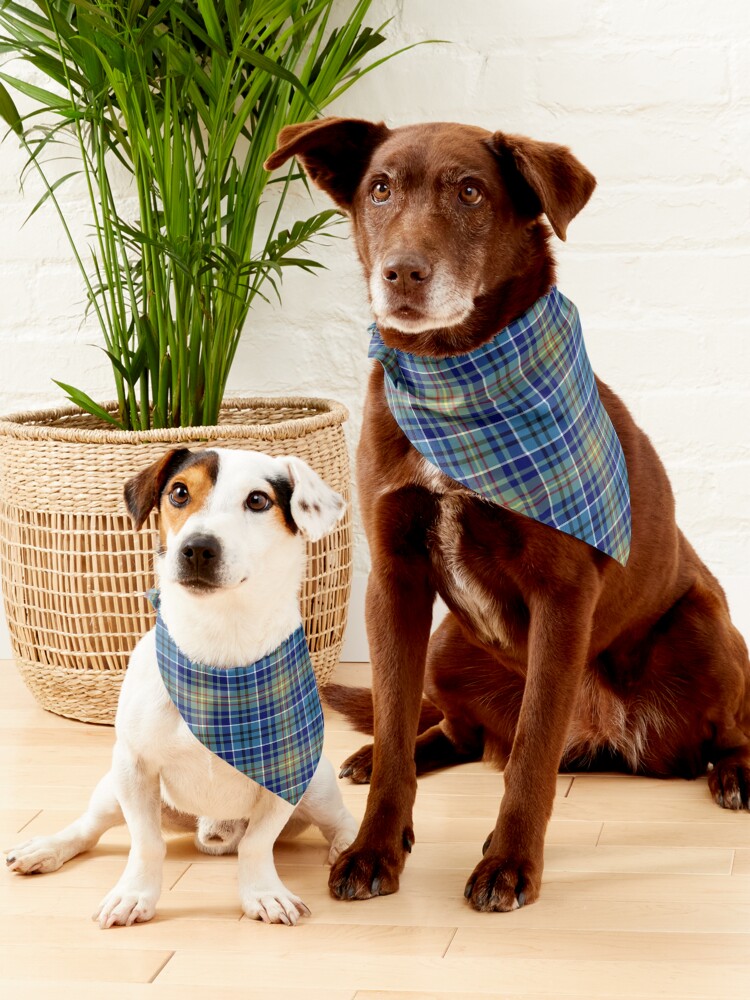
pixel 361 873
pixel 729 782
pixel 499 884
pixel 358 767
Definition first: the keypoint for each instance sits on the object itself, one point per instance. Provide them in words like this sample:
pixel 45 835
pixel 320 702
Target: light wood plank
pixel 622 797
pixel 731 833
pixel 79 990
pixel 168 932
pixel 741 862
pixel 12 821
pixel 410 995
pixel 101 964
pixel 76 903
pixel 93 870
pixel 587 858
pixel 563 943
pixel 479 975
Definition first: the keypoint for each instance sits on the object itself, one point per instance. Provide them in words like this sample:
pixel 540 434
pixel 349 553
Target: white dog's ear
pixel 315 507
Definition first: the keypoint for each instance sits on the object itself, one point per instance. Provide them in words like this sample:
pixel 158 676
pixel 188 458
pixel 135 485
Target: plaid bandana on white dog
pixel 519 420
pixel 265 718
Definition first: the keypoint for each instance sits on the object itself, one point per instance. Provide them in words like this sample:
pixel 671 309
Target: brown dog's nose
pixel 408 269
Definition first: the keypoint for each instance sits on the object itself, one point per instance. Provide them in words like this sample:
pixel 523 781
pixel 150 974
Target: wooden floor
pixel 646 894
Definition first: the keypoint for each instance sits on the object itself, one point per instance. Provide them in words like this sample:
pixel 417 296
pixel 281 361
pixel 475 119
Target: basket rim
pixel 30 424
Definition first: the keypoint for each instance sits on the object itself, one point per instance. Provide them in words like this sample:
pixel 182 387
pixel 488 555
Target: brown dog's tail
pixel 355 704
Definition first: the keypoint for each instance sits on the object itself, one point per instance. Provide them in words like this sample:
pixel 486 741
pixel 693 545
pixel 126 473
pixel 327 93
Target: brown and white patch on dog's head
pixel 178 484
pixel 229 517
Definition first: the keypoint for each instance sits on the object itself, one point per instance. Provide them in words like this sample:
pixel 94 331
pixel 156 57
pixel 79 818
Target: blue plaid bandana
pixel 265 718
pixel 519 421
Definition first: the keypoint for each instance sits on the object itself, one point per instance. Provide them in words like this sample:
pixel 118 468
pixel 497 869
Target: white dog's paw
pixel 344 838
pixel 219 836
pixel 37 856
pixel 124 906
pixel 273 906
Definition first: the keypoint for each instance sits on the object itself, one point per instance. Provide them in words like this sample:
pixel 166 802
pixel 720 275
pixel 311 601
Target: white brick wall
pixel 653 96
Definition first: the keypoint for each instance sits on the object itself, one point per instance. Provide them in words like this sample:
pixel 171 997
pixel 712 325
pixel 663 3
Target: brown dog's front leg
pixel 399 614
pixel 510 873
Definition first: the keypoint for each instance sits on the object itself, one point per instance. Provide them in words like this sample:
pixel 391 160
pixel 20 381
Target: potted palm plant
pixel 185 99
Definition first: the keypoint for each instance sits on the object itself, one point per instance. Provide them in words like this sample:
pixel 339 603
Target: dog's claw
pixel 408 840
pixel 502 885
pixel 375 887
pixel 345 772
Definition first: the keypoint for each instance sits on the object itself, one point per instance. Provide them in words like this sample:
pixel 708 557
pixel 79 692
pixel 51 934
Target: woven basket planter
pixel 74 571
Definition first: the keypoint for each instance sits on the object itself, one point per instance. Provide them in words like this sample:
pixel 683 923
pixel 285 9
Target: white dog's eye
pixel 179 495
pixel 257 500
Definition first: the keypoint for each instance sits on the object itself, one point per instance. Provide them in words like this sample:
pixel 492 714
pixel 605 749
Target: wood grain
pixel 646 894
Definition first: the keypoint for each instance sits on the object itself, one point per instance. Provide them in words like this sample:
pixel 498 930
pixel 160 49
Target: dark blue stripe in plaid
pixel 265 718
pixel 520 421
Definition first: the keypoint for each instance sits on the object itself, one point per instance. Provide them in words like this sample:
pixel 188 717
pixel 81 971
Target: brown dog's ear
pixel 333 151
pixel 142 492
pixel 543 177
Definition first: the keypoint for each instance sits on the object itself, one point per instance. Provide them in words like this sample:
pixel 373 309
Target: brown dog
pixel 553 652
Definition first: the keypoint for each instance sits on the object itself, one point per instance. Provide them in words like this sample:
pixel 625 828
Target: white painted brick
pixel 666 216
pixel 693 424
pixel 42 238
pixel 634 79
pixel 475 22
pixel 430 81
pixel 16 304
pixel 741 67
pixel 504 89
pixel 723 551
pixel 635 357
pixel 678 283
pixel 671 145
pixel 675 19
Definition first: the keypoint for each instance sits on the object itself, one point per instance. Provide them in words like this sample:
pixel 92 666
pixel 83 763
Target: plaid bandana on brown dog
pixel 519 420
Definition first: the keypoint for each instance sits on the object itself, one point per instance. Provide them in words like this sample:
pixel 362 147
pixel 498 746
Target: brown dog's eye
pixel 257 500
pixel 179 495
pixel 470 195
pixel 380 192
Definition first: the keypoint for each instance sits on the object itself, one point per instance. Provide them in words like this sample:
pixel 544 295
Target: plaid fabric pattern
pixel 265 718
pixel 519 421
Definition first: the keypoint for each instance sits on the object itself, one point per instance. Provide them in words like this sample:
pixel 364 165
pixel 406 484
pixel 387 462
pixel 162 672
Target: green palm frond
pixel 188 96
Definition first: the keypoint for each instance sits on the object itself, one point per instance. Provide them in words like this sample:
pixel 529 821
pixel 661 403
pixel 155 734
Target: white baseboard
pixel 355 639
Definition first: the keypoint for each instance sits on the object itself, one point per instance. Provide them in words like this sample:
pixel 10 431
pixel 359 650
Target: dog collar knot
pixel 519 421
pixel 265 718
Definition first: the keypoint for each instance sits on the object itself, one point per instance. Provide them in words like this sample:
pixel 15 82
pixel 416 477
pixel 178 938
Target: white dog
pixel 229 567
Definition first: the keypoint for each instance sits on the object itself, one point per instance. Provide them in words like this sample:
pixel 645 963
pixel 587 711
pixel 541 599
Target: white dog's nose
pixel 200 551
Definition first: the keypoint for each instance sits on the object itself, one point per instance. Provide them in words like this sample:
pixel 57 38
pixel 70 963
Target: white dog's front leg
pixel 323 806
pixel 48 853
pixel 138 789
pixel 262 893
